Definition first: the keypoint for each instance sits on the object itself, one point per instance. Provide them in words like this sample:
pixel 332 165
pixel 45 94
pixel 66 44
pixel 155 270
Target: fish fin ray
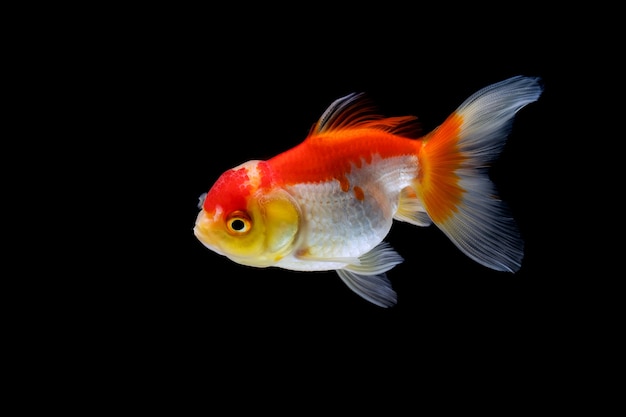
pixel 378 260
pixel 411 209
pixel 374 288
pixel 356 110
pixel 453 183
pixel 367 278
pixel 484 229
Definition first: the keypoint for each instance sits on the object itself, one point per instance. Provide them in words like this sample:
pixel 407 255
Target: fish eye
pixel 238 223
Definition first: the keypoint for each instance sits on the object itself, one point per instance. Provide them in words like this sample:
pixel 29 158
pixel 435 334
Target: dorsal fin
pixel 356 110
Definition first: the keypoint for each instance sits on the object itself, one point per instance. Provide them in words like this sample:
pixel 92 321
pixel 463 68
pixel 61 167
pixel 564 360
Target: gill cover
pixel 274 225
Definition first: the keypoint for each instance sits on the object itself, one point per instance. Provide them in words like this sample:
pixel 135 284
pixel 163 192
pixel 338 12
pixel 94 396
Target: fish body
pixel 329 202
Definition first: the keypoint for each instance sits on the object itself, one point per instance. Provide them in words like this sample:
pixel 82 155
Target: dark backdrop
pixel 172 101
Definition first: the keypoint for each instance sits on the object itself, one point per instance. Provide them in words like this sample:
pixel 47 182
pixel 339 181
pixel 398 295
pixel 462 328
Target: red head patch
pixel 232 189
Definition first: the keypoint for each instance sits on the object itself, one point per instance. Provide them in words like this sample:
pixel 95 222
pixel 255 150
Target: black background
pixel 169 101
pixel 215 114
pixel 252 100
pixel 214 105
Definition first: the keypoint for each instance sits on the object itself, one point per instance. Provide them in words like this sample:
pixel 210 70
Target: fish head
pixel 246 217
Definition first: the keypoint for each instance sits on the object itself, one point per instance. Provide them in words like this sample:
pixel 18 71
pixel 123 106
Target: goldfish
pixel 329 202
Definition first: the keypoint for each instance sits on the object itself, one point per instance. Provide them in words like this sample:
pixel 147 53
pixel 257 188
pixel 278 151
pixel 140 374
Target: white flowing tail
pixel 453 184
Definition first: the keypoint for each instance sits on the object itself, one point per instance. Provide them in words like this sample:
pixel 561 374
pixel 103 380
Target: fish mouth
pixel 202 229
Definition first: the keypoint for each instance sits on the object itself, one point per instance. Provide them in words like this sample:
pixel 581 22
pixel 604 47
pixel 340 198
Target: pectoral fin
pixel 367 278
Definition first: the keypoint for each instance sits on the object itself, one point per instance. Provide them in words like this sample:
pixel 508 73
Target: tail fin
pixel 453 184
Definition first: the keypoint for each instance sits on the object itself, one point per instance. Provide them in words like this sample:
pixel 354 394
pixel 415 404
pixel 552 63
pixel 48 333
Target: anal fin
pixel 411 209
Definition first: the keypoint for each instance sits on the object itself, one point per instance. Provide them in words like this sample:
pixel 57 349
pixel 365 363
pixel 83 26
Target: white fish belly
pixel 339 226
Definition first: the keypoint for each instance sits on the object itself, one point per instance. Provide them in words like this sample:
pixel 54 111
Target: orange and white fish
pixel 329 202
